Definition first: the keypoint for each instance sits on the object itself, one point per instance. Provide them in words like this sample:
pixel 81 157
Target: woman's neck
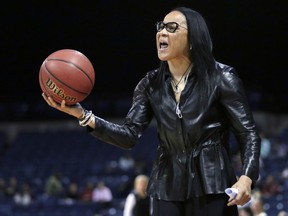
pixel 177 69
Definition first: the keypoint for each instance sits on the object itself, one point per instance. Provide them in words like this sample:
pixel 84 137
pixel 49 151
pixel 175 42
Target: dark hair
pixel 199 38
pixel 201 53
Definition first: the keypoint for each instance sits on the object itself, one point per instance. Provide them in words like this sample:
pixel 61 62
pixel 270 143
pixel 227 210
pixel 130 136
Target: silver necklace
pixel 176 85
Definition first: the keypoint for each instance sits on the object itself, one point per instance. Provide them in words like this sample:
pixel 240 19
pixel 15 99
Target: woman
pixel 196 101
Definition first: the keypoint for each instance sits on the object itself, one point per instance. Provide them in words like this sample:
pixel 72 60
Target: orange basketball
pixel 68 75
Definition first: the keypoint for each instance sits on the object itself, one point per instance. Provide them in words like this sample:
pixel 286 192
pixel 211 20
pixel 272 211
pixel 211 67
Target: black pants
pixel 210 205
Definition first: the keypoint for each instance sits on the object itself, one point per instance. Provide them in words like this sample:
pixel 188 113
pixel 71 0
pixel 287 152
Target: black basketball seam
pixel 92 83
pixel 63 82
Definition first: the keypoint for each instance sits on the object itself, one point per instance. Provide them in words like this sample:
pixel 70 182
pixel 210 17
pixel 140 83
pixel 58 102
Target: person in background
pixel 86 194
pixel 12 187
pixel 271 186
pixel 257 207
pixel 23 197
pixel 196 102
pixel 72 192
pixel 282 213
pixel 137 202
pixel 265 146
pixel 102 195
pixel 245 211
pixel 54 186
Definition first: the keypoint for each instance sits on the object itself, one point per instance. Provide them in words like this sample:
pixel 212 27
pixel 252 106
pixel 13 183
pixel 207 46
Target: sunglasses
pixel 169 26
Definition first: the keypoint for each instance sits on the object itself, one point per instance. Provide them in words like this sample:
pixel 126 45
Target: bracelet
pixel 92 118
pixel 81 118
pixel 87 118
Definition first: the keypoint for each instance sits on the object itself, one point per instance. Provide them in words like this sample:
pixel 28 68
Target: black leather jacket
pixel 193 153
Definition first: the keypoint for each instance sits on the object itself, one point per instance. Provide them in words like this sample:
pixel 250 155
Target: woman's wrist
pixel 86 118
pixel 82 116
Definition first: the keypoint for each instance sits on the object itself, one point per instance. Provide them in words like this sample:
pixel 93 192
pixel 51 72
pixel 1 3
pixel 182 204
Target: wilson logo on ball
pixel 58 91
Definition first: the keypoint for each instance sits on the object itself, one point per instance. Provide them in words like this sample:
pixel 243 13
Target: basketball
pixel 68 75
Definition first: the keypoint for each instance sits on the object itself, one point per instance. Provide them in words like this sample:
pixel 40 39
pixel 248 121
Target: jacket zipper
pixel 178 111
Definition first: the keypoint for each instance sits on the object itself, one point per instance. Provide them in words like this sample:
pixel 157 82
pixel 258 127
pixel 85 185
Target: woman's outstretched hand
pixel 74 110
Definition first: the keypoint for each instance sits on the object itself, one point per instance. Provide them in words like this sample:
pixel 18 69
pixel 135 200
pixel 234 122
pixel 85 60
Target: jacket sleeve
pixel 137 120
pixel 233 98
